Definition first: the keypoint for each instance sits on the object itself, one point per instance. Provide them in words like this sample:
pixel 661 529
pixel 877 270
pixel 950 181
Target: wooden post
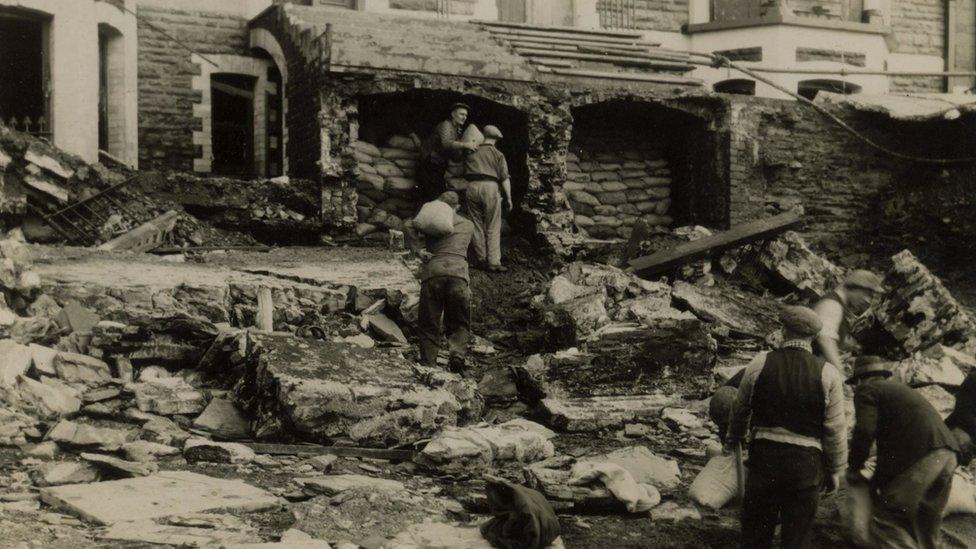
pixel 265 317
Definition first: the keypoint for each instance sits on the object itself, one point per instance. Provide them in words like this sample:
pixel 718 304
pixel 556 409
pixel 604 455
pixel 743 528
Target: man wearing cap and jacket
pixel 792 404
pixel 916 457
pixel 442 146
pixel 444 289
pixel 489 192
pixel 838 308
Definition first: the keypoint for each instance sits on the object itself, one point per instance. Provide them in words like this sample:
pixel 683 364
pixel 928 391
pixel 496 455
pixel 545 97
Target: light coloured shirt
pixel 831 314
pixel 834 441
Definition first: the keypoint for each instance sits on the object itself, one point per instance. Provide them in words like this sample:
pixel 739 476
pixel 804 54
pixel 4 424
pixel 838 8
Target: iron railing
pixel 618 14
pixel 37 126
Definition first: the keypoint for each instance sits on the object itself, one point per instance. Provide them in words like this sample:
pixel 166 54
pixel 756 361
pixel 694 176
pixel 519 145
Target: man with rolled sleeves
pixel 839 308
pixel 489 192
pixel 916 457
pixel 791 403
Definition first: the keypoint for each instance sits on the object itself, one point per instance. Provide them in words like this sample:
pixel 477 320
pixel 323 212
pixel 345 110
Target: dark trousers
pixel 783 487
pixel 430 180
pixel 448 297
pixel 908 510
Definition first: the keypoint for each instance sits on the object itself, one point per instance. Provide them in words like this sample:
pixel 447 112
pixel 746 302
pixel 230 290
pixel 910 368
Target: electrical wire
pixel 719 61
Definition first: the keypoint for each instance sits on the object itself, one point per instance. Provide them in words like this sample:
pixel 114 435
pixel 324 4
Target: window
pixel 24 73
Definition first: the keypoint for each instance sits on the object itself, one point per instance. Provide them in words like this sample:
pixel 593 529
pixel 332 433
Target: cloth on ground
pixel 635 496
pixel 523 519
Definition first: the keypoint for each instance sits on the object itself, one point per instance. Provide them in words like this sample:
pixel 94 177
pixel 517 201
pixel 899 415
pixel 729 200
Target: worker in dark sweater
pixel 962 420
pixel 916 457
pixel 444 289
pixel 791 403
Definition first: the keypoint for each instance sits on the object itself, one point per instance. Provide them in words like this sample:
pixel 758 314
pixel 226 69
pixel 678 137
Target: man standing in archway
pixel 443 145
pixel 486 170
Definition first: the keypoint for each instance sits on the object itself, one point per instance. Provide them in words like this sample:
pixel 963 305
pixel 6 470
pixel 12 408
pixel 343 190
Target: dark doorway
pixel 273 114
pixel 809 88
pixel 111 91
pixel 232 129
pixel 23 73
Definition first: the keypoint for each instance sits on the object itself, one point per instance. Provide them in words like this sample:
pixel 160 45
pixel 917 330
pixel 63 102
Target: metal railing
pixel 38 126
pixel 618 14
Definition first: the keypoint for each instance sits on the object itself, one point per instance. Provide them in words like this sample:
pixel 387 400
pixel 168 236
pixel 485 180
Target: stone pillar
pixel 699 11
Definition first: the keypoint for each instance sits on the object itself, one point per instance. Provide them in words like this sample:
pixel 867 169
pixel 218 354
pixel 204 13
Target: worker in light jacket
pixel 489 194
pixel 791 404
pixel 839 308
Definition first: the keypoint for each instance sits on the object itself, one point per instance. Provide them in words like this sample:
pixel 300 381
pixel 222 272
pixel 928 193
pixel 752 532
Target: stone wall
pixel 166 71
pixel 614 180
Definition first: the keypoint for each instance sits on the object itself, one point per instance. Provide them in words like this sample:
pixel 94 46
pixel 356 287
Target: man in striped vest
pixel 791 404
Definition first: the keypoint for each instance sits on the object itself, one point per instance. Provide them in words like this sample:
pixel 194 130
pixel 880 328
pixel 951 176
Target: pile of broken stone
pixel 118 422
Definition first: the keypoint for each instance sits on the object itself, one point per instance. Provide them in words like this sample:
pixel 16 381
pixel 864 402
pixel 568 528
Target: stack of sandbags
pixel 387 177
pixel 610 191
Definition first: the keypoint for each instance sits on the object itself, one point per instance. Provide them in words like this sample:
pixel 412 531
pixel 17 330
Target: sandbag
pixel 717 484
pixel 962 496
pixel 855 514
pixel 435 218
pixel 473 135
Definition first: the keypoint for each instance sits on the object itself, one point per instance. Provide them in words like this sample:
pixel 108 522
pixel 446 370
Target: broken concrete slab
pixel 474 448
pixel 168 396
pixel 163 430
pixel 57 473
pixel 201 449
pixel 83 435
pixel 43 359
pixel 595 413
pixel 120 467
pixel 145 451
pixel 81 369
pixel 918 311
pixel 204 531
pixel 222 419
pixel 15 360
pixel 744 315
pixel 163 494
pixel 330 485
pixel 319 390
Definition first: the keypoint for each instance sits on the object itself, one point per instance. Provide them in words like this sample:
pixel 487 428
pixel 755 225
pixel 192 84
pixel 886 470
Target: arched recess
pixel 633 160
pixel 264 44
pixel 111 91
pixel 809 88
pixel 737 86
pixel 384 125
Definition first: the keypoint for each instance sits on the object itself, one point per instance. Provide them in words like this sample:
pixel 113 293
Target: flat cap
pixel 869 365
pixel 449 197
pixel 492 132
pixel 864 279
pixel 460 105
pixel 801 321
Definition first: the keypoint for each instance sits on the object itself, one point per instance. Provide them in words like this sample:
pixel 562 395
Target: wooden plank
pixel 341 451
pixel 660 78
pixel 568 35
pixel 591 32
pixel 537 42
pixel 747 233
pixel 569 39
pixel 663 65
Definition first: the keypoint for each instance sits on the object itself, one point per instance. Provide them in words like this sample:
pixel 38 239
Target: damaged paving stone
pixel 162 494
pixel 592 414
pixel 477 448
pixel 82 435
pixel 318 391
pixel 120 467
pixel 168 396
pixel 81 369
pixel 201 449
pixel 200 530
pixel 15 360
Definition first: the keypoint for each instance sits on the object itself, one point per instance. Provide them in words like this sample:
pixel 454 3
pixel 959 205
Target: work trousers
pixel 908 510
pixel 430 180
pixel 446 297
pixel 783 487
pixel 485 208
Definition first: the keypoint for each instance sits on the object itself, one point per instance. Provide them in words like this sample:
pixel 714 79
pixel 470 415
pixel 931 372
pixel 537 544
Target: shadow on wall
pixel 638 160
pixel 383 116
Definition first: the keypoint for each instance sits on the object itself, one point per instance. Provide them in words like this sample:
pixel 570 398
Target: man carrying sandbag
pixel 486 170
pixel 792 403
pixel 444 290
pixel 916 457
pixel 443 145
pixel 839 308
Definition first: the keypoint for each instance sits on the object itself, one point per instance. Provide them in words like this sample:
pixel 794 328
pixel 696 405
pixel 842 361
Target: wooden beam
pixel 564 35
pixel 740 235
pixel 317 450
pixel 526 26
pixel 633 61
pixel 660 78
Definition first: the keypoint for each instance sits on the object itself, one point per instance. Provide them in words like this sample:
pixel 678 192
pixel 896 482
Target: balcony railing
pixel 618 14
pixel 38 126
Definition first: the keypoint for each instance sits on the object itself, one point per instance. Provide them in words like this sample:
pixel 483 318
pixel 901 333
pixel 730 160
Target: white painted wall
pixel 74 71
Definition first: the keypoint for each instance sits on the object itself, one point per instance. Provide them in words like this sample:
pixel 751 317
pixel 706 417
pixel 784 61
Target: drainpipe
pixel 949 42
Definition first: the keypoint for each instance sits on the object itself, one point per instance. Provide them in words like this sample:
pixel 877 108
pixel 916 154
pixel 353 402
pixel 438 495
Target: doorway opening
pixel 24 72
pixel 232 124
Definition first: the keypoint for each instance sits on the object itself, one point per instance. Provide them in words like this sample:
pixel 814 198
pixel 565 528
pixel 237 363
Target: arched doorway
pixel 737 86
pixel 111 91
pixel 809 88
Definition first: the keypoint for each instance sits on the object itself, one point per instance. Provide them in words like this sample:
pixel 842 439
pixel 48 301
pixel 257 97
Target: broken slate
pixel 218 531
pixel 79 434
pixel 145 451
pixel 163 494
pixel 57 473
pixel 168 396
pixel 15 360
pixel 81 369
pixel 920 370
pixel 222 419
pixel 458 449
pixel 385 329
pixel 120 467
pixel 201 449
pixel 595 413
